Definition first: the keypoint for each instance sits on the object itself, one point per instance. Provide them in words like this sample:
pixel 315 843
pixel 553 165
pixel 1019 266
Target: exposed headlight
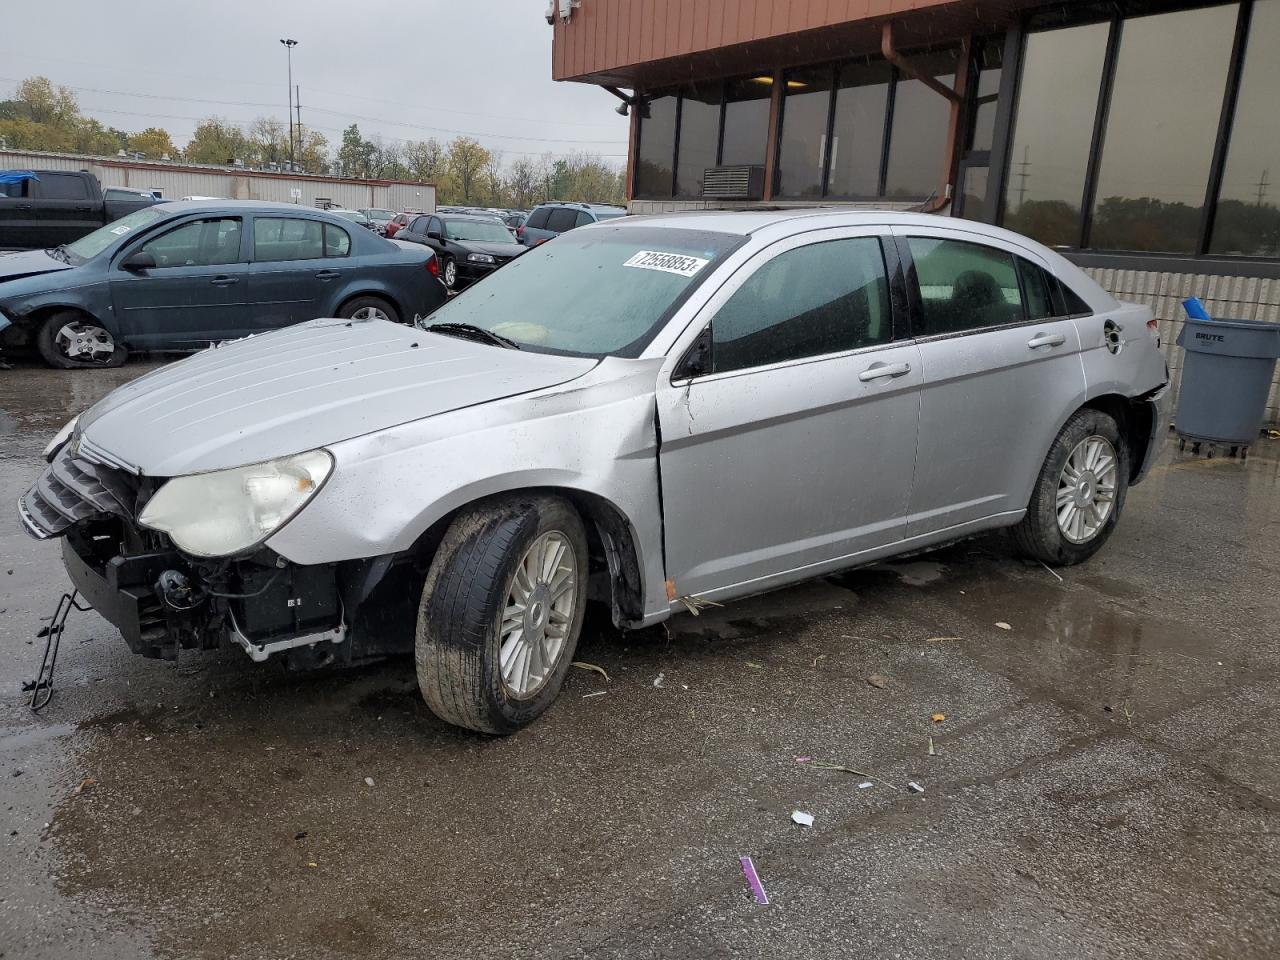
pixel 480 258
pixel 59 438
pixel 229 511
pixel 4 320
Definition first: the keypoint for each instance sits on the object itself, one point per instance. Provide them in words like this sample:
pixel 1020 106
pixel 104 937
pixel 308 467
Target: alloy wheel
pixel 450 273
pixel 84 342
pixel 537 614
pixel 1087 489
pixel 370 313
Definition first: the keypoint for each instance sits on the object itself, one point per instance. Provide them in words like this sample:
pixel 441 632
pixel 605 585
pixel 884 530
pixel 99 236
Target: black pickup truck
pixel 45 208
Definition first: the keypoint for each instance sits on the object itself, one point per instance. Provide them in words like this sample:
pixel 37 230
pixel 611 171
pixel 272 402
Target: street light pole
pixel 289 45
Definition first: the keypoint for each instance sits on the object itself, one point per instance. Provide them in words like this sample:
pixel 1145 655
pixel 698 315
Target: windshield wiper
pixel 60 253
pixel 472 332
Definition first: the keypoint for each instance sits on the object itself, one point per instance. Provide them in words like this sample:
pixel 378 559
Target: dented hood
pixel 31 263
pixel 302 388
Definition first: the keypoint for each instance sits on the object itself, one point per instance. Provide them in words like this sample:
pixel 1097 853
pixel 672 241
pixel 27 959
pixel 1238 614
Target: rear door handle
pixel 1046 340
pixel 327 275
pixel 878 371
pixel 25 206
pixel 224 281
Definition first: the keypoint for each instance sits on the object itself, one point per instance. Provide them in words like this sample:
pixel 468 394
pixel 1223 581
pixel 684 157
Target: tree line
pixel 41 116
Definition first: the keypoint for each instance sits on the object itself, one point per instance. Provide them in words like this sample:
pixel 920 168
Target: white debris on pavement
pixel 802 818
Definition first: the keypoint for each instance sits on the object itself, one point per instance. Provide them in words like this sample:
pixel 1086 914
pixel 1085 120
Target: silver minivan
pixel 644 413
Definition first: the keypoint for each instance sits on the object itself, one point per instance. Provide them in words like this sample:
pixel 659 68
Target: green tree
pixel 217 141
pixel 313 150
pixel 467 163
pixel 153 143
pixel 355 154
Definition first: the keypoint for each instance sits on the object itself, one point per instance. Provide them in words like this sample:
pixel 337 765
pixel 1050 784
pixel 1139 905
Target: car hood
pixel 301 388
pixel 31 263
pixel 492 247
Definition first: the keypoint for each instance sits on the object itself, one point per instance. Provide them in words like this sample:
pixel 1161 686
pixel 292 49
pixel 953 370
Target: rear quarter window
pixel 538 219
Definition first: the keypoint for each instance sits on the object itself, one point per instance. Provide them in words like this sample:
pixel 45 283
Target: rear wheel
pixel 1080 491
pixel 369 308
pixel 450 272
pixel 501 612
pixel 71 340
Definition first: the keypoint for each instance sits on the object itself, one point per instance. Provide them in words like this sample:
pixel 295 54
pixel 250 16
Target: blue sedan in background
pixel 178 276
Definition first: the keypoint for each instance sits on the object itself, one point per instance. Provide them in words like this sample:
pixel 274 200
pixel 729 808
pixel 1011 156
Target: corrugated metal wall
pixel 178 182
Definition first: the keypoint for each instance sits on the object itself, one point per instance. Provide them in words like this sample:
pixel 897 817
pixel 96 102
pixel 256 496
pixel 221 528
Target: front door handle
pixel 1046 340
pixel 327 275
pixel 224 281
pixel 878 371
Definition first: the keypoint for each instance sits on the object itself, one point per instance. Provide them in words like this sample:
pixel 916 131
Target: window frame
pixel 142 241
pixel 915 308
pixel 687 340
pixel 254 252
pixel 1115 15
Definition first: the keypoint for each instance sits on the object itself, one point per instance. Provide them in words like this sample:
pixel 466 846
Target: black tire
pixel 1039 535
pixel 48 342
pixel 445 264
pixel 458 641
pixel 356 304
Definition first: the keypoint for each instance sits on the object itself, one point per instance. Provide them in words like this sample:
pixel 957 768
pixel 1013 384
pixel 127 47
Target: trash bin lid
pixel 1231 338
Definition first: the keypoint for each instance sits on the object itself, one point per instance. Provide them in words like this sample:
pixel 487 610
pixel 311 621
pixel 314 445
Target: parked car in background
pixel 468 247
pixel 555 217
pixel 45 208
pixel 396 223
pixel 178 276
pixel 661 410
pixel 355 216
pixel 379 218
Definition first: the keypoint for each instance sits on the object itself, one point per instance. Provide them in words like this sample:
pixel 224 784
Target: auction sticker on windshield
pixel 677 263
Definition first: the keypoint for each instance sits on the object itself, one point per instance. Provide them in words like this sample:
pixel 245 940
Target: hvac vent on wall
pixel 733 183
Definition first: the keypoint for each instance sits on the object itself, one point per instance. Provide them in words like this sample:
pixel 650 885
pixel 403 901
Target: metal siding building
pixel 175 181
pixel 1103 129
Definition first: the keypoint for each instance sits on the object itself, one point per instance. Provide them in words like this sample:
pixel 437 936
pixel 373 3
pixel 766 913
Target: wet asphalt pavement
pixel 1106 782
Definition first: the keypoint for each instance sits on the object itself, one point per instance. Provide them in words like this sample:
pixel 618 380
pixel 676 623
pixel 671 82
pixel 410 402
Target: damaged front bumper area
pixel 163 601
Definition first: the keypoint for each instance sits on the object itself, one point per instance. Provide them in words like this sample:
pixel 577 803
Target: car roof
pixel 476 217
pixel 268 206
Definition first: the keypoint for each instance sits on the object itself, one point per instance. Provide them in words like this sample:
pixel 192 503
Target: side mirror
pixel 138 260
pixel 697 362
pixel 434 235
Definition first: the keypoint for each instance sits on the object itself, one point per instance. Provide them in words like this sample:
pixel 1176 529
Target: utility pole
pixel 297 105
pixel 1262 185
pixel 289 45
pixel 1024 173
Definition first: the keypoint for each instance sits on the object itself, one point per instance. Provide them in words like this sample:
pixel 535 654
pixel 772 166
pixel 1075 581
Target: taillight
pixel 520 230
pixel 1153 324
pixel 433 268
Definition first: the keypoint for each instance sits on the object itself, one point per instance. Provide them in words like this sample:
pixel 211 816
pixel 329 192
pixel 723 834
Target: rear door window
pixel 285 238
pixel 200 243
pixel 63 186
pixel 1037 288
pixel 964 286
pixel 822 298
pixel 562 219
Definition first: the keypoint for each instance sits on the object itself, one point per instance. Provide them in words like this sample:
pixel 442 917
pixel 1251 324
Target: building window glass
pixel 921 118
pixel 1247 222
pixel 1052 132
pixel 699 137
pixel 746 121
pixel 1166 100
pixel 657 147
pixel 983 124
pixel 857 142
pixel 804 133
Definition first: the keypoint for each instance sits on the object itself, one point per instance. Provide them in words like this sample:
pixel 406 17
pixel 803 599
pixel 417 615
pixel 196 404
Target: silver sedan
pixel 649 413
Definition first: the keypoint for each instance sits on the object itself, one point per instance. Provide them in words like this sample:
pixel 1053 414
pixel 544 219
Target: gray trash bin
pixel 1227 369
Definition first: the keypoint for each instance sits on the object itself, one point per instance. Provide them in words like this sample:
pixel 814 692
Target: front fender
pixel 597 437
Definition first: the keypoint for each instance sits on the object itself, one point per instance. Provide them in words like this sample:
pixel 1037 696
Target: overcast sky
pixel 405 69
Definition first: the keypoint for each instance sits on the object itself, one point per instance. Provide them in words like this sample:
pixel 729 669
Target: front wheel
pixel 1079 493
pixel 501 612
pixel 70 340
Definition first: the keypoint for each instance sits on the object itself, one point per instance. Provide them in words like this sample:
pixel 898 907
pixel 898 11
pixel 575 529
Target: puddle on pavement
pixel 36 401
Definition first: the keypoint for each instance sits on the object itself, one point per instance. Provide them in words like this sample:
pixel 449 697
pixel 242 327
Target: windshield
pixel 595 292
pixel 355 215
pixel 88 247
pixel 380 214
pixel 490 231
